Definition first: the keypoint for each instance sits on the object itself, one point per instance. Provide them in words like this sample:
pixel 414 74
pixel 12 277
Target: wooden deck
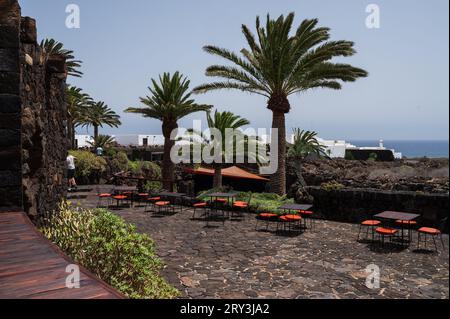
pixel 33 267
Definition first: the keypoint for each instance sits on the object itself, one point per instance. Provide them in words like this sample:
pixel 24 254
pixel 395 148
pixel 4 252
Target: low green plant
pixel 110 248
pixel 119 162
pixel 259 202
pixel 331 186
pixel 89 166
pixel 349 156
pixel 373 157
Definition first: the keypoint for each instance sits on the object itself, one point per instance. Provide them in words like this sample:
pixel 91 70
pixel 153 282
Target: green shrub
pixel 110 248
pixel 110 152
pixel 373 157
pixel 89 166
pixel 259 202
pixel 119 162
pixel 349 156
pixel 331 186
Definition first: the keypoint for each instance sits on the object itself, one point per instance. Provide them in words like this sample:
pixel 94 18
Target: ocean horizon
pixel 411 148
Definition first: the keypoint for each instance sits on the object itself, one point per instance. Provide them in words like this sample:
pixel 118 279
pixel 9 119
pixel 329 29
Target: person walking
pixel 71 172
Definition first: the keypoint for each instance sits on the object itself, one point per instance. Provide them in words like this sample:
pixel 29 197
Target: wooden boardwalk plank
pixel 33 267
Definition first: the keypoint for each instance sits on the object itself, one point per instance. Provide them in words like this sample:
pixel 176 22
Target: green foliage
pixel 110 248
pixel 170 99
pixel 103 141
pixel 52 46
pixel 305 143
pixel 152 186
pixel 88 165
pixel 98 114
pixel 278 63
pixel 373 157
pixel 349 156
pixel 120 162
pixel 259 202
pixel 331 186
pixel 110 152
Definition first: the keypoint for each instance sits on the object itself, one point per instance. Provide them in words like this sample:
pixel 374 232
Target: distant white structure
pixel 333 148
pixel 380 147
pixel 82 141
pixel 139 140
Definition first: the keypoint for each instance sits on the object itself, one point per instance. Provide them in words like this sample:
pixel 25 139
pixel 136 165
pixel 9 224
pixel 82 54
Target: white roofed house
pixel 82 141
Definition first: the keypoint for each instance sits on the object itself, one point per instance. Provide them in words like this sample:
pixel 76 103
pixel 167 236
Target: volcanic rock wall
pixel 32 117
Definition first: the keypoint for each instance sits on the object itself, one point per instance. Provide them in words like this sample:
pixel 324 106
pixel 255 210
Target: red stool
pixel 386 232
pixel 289 220
pixel 267 218
pixel 428 231
pixel 200 205
pixel 370 224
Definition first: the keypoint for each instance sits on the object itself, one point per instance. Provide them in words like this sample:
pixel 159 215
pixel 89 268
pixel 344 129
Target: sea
pixel 411 148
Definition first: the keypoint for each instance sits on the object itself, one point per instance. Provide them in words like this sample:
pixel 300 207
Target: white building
pixel 139 140
pixel 380 147
pixel 82 141
pixel 333 148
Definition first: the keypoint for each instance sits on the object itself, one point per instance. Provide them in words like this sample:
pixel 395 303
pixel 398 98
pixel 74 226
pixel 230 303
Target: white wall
pixel 83 140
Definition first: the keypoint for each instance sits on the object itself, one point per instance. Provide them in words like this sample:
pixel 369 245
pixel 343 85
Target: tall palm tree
pixel 52 46
pixel 77 104
pixel 170 100
pixel 99 114
pixel 221 121
pixel 277 65
pixel 306 143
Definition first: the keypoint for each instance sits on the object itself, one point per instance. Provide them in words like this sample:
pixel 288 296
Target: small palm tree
pixel 99 114
pixel 277 65
pixel 170 100
pixel 77 104
pixel 52 46
pixel 220 122
pixel 306 143
pixel 103 141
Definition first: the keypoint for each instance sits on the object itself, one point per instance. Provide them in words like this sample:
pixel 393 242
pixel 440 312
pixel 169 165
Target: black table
pixel 213 196
pixel 393 216
pixel 173 196
pixel 290 207
pixel 397 215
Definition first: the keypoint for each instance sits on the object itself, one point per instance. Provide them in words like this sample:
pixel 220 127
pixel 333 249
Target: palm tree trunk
pixel 278 180
pixel 72 137
pixel 95 131
pixel 69 132
pixel 167 165
pixel 217 181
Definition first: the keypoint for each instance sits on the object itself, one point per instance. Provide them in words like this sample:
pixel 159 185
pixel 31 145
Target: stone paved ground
pixel 236 261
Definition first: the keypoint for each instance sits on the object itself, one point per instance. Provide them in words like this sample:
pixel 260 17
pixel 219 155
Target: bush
pixel 119 162
pixel 331 186
pixel 259 202
pixel 373 157
pixel 89 167
pixel 110 248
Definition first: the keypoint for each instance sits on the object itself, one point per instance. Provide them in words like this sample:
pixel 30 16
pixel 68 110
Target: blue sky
pixel 125 43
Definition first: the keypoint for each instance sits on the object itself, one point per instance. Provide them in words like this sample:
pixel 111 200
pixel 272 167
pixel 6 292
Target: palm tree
pixel 221 121
pixel 102 141
pixel 52 46
pixel 277 65
pixel 170 100
pixel 77 103
pixel 99 114
pixel 306 143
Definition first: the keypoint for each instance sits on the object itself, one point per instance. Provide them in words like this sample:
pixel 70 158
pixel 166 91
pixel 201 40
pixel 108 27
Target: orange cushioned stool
pixel 386 232
pixel 370 225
